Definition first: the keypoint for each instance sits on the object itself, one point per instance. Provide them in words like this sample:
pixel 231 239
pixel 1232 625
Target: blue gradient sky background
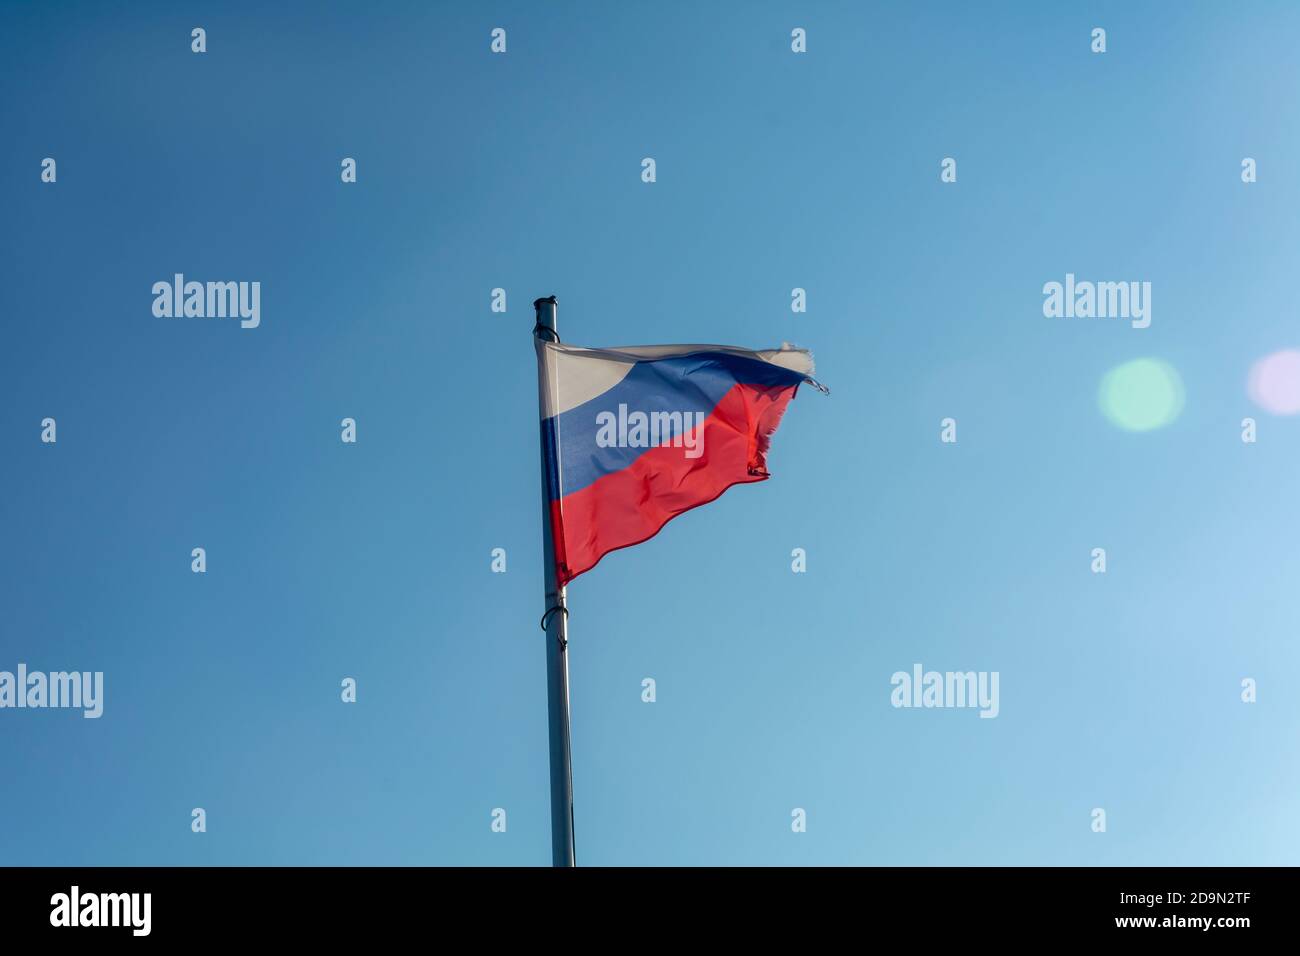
pixel 523 171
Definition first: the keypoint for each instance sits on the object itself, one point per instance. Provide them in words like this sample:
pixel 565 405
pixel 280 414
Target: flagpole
pixel 556 623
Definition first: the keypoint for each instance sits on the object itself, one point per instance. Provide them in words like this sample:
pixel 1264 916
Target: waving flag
pixel 635 436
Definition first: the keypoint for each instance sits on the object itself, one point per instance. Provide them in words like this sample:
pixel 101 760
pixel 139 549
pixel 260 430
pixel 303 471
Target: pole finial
pixel 545 325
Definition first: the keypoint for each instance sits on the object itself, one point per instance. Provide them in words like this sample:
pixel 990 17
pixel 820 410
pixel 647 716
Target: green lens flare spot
pixel 1141 395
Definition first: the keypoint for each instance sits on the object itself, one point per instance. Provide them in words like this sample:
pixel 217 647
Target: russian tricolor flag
pixel 635 436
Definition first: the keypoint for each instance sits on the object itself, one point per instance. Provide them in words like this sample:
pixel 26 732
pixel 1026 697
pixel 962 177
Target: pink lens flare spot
pixel 1274 383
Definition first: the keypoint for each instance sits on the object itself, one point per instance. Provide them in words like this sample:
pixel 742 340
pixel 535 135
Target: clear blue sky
pixel 522 171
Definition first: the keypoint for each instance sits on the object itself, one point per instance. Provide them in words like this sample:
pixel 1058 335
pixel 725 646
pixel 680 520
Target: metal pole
pixel 557 645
